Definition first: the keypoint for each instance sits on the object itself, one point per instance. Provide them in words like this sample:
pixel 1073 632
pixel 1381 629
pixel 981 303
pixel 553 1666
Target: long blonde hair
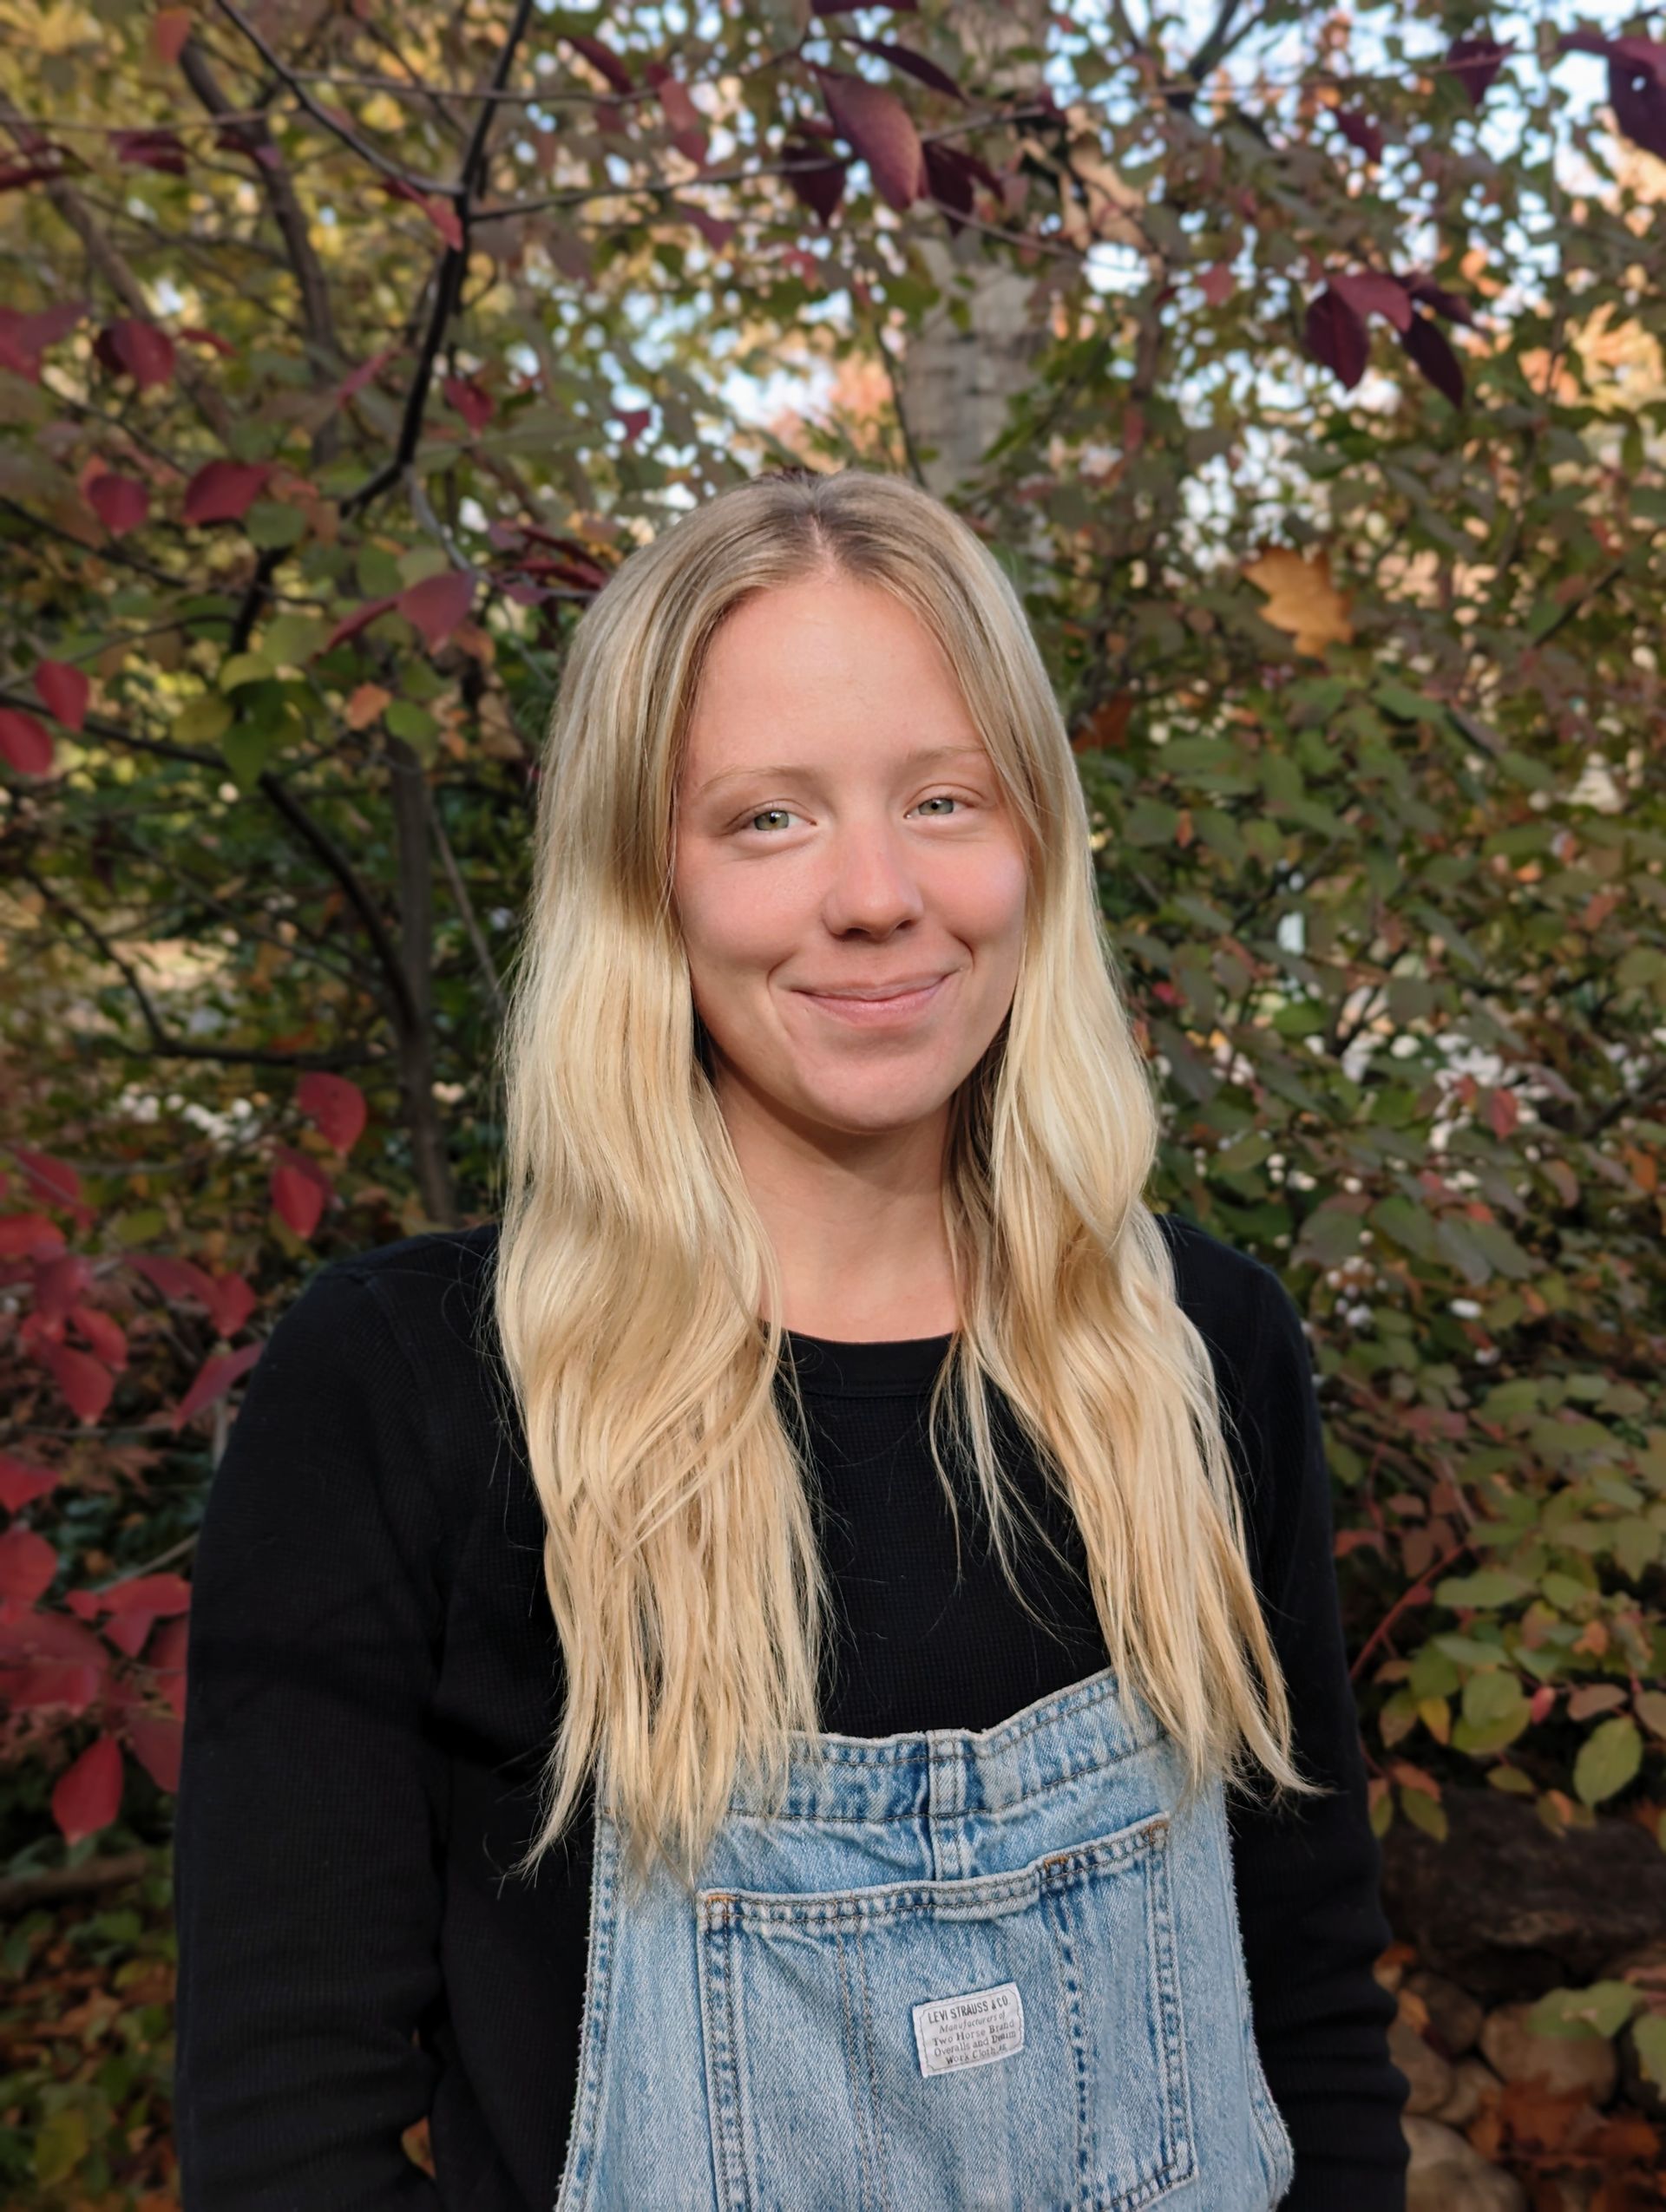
pixel 680 1551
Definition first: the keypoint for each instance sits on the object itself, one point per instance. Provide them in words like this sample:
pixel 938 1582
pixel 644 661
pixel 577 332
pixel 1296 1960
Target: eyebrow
pixel 921 757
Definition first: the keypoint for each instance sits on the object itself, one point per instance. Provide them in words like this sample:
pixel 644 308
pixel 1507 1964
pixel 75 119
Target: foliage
pixel 346 355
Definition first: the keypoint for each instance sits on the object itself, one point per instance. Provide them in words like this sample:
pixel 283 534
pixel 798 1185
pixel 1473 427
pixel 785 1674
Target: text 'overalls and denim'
pixel 960 1971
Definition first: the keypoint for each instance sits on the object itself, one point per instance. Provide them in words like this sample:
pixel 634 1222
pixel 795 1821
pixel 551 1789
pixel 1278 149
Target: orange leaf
pixel 1302 600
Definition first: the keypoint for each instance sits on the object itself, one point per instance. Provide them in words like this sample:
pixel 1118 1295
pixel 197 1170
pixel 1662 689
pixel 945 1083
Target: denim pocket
pixel 1013 2041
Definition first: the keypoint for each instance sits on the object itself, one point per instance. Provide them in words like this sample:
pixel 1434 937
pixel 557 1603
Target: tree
pixel 344 360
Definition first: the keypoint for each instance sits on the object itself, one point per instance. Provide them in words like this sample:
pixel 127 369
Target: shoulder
pixel 1233 1299
pixel 415 1316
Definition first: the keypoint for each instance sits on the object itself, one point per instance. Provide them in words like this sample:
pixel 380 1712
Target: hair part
pixel 680 1552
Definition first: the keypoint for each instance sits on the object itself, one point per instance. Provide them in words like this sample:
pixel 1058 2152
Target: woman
pixel 722 1689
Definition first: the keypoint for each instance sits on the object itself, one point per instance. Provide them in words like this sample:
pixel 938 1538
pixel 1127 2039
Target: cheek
pixel 732 920
pixel 992 907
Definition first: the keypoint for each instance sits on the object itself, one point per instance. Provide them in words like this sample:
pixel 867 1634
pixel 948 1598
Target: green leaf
pixel 1602 2009
pixel 201 722
pixel 1648 2037
pixel 1493 1586
pixel 269 524
pixel 246 668
pixel 60 2145
pixel 1608 1759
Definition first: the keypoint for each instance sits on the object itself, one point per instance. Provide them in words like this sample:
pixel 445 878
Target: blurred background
pixel 1303 365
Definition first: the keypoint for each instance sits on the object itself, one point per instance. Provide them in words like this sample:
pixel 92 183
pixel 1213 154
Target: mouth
pixel 887 1008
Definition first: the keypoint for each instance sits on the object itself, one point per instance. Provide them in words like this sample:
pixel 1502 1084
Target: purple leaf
pixel 881 130
pixel 817 178
pixel 1449 303
pixel 903 57
pixel 1637 92
pixel 1336 337
pixel 1368 293
pixel 1475 62
pixel 1360 130
pixel 1428 344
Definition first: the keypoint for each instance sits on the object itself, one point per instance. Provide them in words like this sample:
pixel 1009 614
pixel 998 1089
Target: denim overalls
pixel 958 1970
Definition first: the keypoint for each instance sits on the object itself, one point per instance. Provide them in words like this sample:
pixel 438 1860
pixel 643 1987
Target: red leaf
pixel 438 604
pixel 151 1593
pixel 633 420
pixel 54 1177
pixel 360 618
pixel 881 130
pixel 23 338
pixel 1428 346
pixel 904 57
pixel 27 1565
pixel 138 349
pixel 356 380
pixel 88 1793
pixel 85 1382
pixel 127 1633
pixel 20 1484
pixel 59 1281
pixel 213 1378
pixel 297 1197
pixel 26 1635
pixel 602 59
pixel 1217 283
pixel 105 1337
pixel 156 1742
pixel 27 1236
pixel 232 1304
pixel 1475 62
pixel 119 502
pixel 1368 293
pixel 335 1105
pixel 471 401
pixel 168 32
pixel 24 741
pixel 224 491
pixel 440 213
pixel 222 346
pixel 1360 130
pixel 64 692
pixel 1335 335
pixel 174 1277
pixel 712 228
pixel 69 1686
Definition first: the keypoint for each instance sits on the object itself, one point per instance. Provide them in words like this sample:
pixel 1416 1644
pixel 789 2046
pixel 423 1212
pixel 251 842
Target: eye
pixel 953 798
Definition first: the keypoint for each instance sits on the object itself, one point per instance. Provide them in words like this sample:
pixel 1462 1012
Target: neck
pixel 855 1222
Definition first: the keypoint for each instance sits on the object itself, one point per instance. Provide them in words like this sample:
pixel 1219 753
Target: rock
pixel 1447 2174
pixel 1429 2074
pixel 1507 1909
pixel 1567 2065
pixel 1472 2082
pixel 1454 2015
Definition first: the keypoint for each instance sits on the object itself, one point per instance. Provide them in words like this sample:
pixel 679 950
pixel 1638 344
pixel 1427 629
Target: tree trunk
pixel 955 383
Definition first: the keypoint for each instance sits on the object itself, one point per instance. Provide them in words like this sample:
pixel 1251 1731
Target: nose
pixel 873 883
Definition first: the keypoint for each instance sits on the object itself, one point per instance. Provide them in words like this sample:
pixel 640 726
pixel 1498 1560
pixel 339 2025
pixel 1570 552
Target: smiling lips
pixel 872 993
pixel 888 1006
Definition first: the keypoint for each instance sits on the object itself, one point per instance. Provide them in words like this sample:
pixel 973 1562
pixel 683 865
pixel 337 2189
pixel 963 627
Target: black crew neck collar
pixel 829 1367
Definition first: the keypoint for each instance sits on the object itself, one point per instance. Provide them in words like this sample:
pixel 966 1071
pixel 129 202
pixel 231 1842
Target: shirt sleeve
pixel 1307 1878
pixel 310 1811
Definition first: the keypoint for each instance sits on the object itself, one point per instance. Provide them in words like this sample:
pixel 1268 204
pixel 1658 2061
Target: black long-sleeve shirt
pixel 374 1677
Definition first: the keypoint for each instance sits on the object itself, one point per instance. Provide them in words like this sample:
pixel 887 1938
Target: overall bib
pixel 958 1970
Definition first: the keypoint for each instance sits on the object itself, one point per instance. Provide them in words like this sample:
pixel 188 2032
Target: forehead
pixel 830 660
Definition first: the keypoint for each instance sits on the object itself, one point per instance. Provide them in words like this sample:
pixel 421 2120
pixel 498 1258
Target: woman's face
pixel 819 850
